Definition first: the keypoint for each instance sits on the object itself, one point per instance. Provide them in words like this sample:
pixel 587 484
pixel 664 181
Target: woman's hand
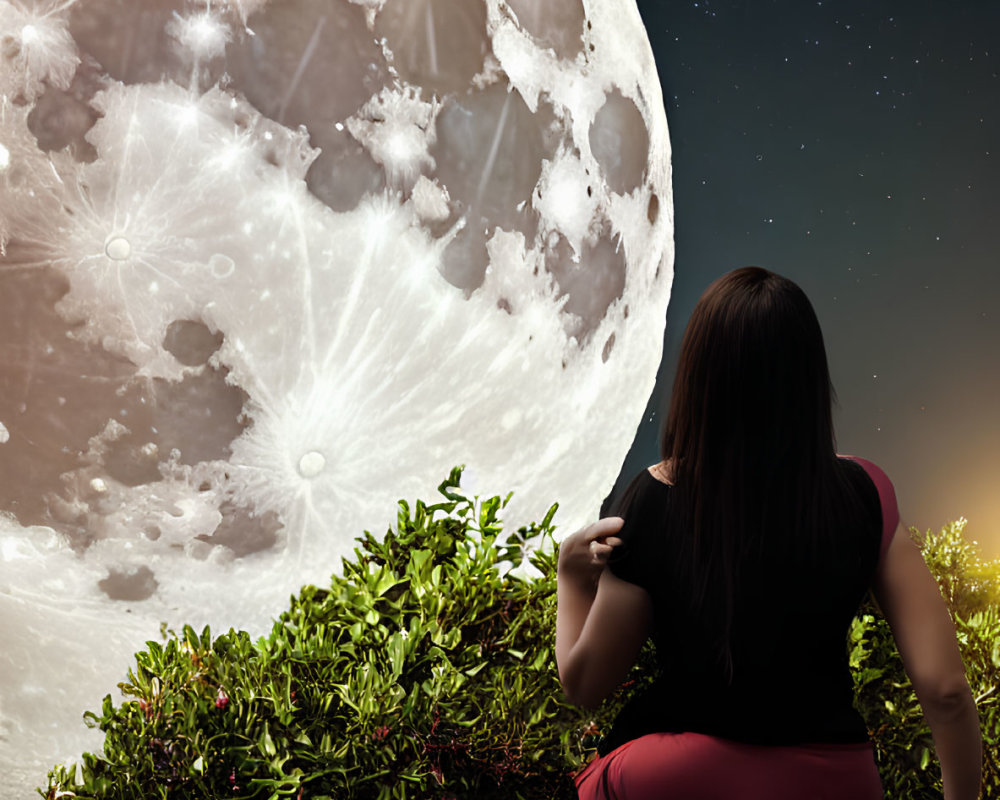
pixel 601 620
pixel 584 554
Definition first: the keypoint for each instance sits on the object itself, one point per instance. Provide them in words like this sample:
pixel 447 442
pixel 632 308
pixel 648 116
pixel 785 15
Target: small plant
pixel 427 671
pixel 884 695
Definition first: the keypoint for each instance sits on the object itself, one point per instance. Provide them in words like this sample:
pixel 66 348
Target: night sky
pixel 853 146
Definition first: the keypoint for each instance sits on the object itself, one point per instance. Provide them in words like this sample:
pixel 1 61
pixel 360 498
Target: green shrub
pixel 885 698
pixel 427 671
pixel 968 583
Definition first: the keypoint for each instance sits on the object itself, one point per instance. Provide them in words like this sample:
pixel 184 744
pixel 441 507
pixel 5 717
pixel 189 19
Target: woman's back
pixel 791 618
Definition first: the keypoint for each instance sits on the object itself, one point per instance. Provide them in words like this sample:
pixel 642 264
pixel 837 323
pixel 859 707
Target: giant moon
pixel 266 267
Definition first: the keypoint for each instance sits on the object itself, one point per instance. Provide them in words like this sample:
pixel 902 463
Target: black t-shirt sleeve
pixel 638 559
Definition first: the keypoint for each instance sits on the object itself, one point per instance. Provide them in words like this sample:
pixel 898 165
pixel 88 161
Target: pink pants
pixel 693 766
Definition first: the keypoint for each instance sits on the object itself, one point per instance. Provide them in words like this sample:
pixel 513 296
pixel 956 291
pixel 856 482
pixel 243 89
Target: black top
pixel 791 682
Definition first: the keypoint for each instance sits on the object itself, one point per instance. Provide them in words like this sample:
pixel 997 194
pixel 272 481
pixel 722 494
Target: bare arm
pixel 601 620
pixel 925 635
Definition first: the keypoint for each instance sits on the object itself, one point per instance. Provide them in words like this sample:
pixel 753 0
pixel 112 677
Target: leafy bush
pixel 885 698
pixel 427 671
pixel 969 584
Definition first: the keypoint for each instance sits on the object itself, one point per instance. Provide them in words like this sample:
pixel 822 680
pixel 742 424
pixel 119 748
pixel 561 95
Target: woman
pixel 744 554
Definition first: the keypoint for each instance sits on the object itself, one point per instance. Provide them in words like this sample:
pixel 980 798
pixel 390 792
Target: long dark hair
pixel 749 437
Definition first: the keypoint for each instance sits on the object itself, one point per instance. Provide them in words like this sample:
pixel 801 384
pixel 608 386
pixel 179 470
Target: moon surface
pixel 267 267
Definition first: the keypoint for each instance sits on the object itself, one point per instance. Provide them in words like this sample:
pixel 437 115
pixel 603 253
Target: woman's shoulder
pixel 886 497
pixel 886 491
pixel 663 472
pixel 645 492
pixel 875 472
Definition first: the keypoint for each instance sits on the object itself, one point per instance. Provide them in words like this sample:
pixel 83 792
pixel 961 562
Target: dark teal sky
pixel 853 146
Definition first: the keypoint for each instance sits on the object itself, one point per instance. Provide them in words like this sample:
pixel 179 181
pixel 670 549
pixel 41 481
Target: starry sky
pixel 853 146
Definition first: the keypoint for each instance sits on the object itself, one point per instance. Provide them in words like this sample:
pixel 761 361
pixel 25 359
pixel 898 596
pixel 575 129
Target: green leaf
pixel 396 647
pixel 266 743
